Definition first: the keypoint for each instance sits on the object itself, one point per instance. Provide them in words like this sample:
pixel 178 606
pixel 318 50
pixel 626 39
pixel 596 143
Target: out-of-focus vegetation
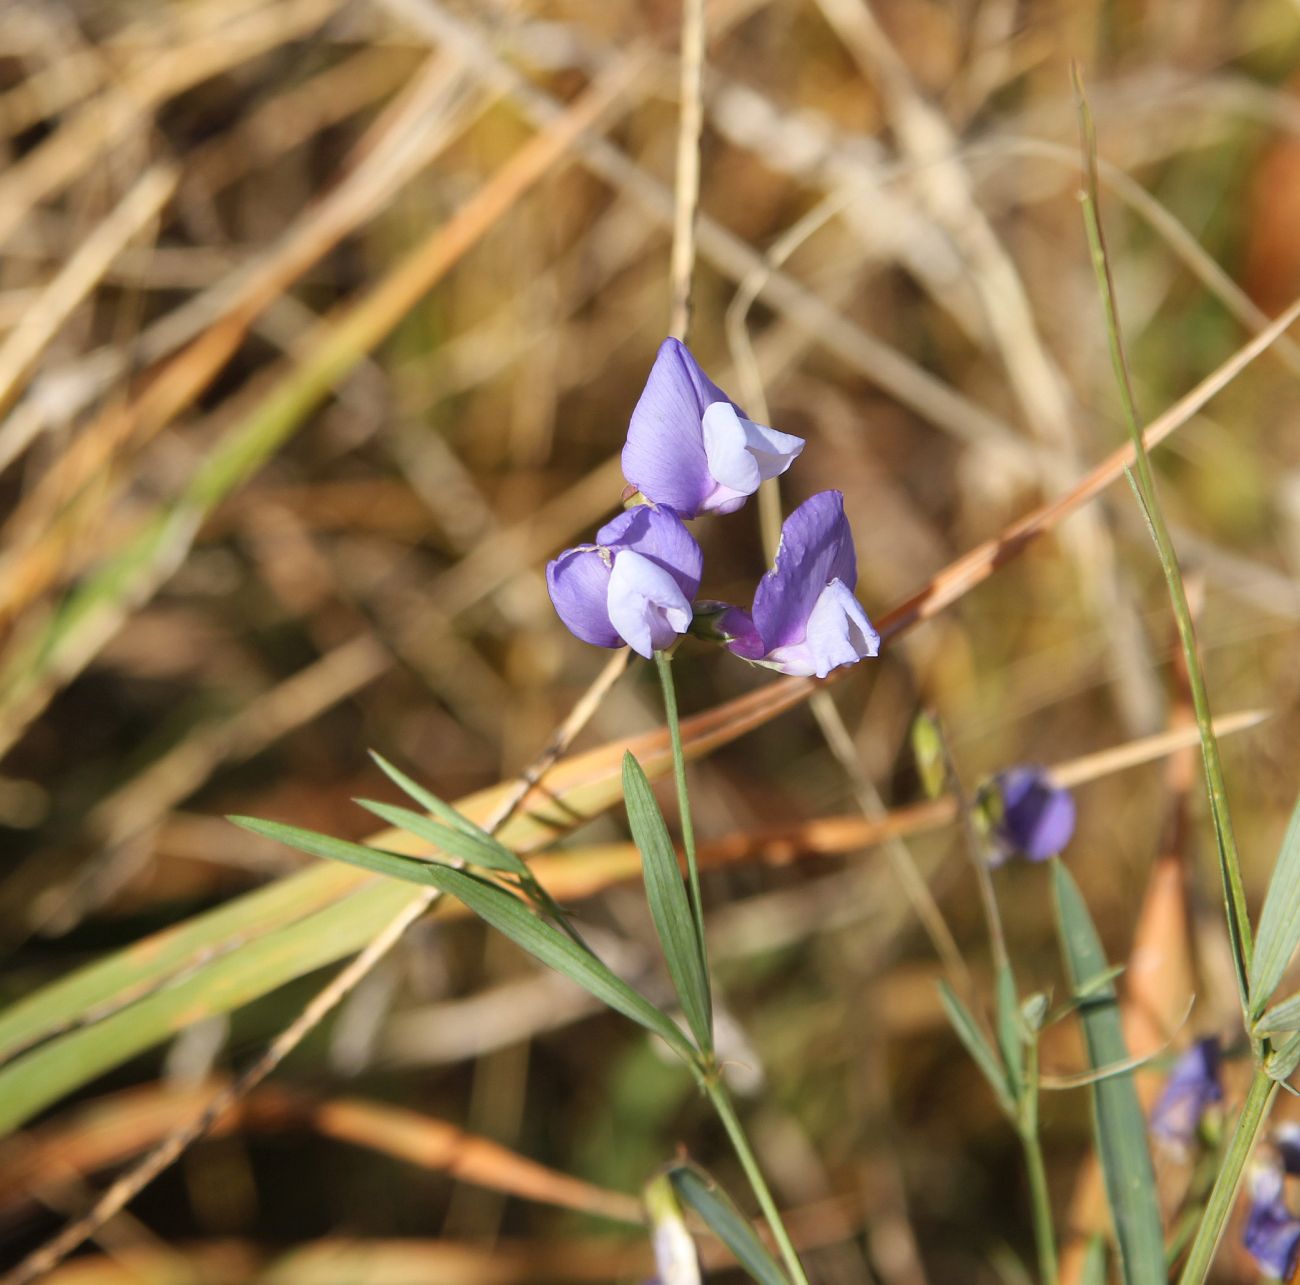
pixel 320 326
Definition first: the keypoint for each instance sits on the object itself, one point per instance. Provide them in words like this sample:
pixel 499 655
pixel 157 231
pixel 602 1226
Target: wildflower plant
pixel 690 452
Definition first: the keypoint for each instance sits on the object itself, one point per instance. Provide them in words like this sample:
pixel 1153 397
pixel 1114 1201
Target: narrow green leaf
pixel 669 906
pixel 1093 1271
pixel 1283 1060
pixel 1118 1120
pixel 1281 1017
pixel 474 849
pixel 702 1193
pixel 977 1046
pixel 1279 923
pixel 508 915
pixel 410 869
pixel 429 801
pixel 1010 1040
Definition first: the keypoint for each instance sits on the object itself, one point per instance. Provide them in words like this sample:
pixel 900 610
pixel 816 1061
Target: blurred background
pixel 319 335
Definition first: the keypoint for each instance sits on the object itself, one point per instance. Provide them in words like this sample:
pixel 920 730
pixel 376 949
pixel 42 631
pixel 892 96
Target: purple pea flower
pixel 1189 1091
pixel 805 619
pixel 634 585
pixel 690 447
pixel 1272 1232
pixel 1034 817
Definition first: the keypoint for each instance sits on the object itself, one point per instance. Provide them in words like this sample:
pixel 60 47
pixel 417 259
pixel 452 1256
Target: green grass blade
pixel 46 1073
pixel 1280 1018
pixel 509 916
pixel 410 869
pixel 669 906
pixel 91 992
pixel 727 1223
pixel 429 801
pixel 1119 1123
pixel 1279 922
pixel 1143 483
pixel 464 845
pixel 1010 1040
pixel 978 1047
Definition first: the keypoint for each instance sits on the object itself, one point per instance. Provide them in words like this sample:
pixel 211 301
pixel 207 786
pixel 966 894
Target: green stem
pixel 721 1100
pixel 664 664
pixel 1224 1193
pixel 1234 893
pixel 1040 1196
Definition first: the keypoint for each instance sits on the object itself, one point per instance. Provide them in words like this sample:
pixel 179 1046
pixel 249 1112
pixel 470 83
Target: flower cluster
pixel 691 450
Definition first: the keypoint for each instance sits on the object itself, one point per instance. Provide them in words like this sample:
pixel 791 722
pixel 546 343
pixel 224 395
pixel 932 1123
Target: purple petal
pixel 839 633
pixel 664 457
pixel 1191 1088
pixel 660 535
pixel 578 581
pixel 646 604
pixel 816 547
pixel 1272 1234
pixel 1037 815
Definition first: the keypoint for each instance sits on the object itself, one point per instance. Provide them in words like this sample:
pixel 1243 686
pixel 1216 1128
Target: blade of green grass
pixel 1119 1123
pixel 1279 922
pixel 508 915
pixel 727 1223
pixel 669 906
pixel 1143 482
pixel 376 860
pixel 473 848
pixel 978 1047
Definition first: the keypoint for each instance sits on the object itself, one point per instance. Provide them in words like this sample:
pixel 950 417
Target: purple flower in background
pixel 1286 1141
pixel 690 447
pixel 805 619
pixel 634 585
pixel 1033 816
pixel 1193 1086
pixel 1272 1232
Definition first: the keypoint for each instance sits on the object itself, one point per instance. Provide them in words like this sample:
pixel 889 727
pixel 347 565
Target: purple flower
pixel 690 447
pixel 1286 1142
pixel 1032 815
pixel 1193 1086
pixel 805 619
pixel 1272 1231
pixel 634 585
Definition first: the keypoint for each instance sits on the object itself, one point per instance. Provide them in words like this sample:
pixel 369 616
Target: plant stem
pixel 722 1104
pixel 1234 894
pixel 1224 1193
pixel 665 666
pixel 1040 1196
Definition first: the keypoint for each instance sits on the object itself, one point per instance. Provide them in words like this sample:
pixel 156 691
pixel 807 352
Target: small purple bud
pixel 1191 1088
pixel 806 620
pixel 1272 1232
pixel 690 447
pixel 1034 817
pixel 634 585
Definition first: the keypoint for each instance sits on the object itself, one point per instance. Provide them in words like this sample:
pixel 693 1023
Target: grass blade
pixel 377 860
pixel 721 1216
pixel 509 916
pixel 429 801
pixel 1119 1122
pixel 1279 922
pixel 978 1047
pixel 669 907
pixel 471 846
pixel 1281 1017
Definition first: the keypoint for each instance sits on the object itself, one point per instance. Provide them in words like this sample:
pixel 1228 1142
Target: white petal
pixel 646 605
pixel 839 632
pixel 741 454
